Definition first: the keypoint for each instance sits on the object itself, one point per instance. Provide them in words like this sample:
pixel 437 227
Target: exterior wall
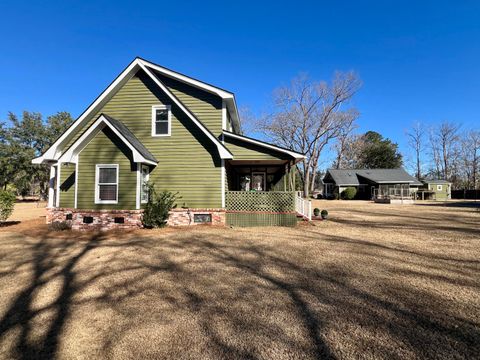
pixel 443 194
pixel 243 150
pixel 102 219
pixel 206 106
pixel 105 219
pixel 185 217
pixel 188 160
pixel 106 148
pixel 67 185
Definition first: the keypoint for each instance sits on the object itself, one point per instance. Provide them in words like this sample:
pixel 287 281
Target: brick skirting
pixel 105 219
pixel 101 219
pixel 185 217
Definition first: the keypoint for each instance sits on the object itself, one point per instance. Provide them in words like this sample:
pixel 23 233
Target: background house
pixel 440 190
pixel 382 185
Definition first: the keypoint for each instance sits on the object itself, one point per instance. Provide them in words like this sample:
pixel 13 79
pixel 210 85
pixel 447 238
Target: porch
pixel 393 194
pixel 262 193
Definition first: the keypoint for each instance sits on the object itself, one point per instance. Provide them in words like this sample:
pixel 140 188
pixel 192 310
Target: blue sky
pixel 419 60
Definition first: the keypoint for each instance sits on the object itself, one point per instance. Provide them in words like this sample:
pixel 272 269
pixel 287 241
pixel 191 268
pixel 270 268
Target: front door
pixel 258 181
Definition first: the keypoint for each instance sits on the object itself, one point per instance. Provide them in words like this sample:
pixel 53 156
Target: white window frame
pixel 141 183
pixel 154 116
pixel 97 185
pixel 439 188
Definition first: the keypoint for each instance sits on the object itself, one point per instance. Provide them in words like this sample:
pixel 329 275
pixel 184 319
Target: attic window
pixel 161 120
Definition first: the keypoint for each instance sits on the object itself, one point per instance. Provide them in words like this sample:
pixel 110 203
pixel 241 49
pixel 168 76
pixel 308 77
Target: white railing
pixel 303 207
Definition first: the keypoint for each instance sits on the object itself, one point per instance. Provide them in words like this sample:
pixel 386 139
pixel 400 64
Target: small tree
pixel 158 207
pixel 349 193
pixel 7 202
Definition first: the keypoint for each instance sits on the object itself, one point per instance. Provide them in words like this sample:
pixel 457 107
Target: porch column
pixel 51 187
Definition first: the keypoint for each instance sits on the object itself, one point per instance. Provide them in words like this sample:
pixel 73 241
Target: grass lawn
pixel 374 281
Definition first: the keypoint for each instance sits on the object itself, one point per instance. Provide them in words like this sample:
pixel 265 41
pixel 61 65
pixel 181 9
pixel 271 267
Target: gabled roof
pixel 436 181
pixel 56 150
pixel 344 177
pixel 297 156
pixel 128 135
pixel 139 152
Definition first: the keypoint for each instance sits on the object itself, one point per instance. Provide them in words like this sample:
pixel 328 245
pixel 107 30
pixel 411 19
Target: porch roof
pixel 248 149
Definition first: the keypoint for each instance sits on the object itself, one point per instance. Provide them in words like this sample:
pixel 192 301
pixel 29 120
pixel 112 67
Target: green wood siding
pixel 188 160
pixel 206 106
pixel 67 185
pixel 439 194
pixel 243 150
pixel 106 148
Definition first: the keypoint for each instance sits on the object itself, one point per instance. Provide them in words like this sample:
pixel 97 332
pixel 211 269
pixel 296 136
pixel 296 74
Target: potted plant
pixel 316 211
pixel 324 214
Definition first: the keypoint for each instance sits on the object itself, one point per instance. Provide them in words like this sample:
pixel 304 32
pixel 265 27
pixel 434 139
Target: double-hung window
pixel 143 184
pixel 161 120
pixel 106 184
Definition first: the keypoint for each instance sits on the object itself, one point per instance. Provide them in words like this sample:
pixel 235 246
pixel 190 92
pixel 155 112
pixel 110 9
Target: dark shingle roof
pixel 128 135
pixel 379 176
pixel 436 181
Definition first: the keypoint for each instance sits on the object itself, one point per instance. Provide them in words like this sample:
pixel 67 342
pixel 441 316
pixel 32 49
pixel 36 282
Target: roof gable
pixel 140 153
pixel 56 150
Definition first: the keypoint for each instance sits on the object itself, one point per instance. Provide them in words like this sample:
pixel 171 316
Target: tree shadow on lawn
pixel 225 296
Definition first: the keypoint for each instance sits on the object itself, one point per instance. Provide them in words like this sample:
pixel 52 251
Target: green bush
pixel 349 193
pixel 7 202
pixel 324 214
pixel 316 211
pixel 158 206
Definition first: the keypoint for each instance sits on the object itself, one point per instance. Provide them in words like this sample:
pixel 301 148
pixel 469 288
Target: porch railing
pixel 268 201
pixel 303 207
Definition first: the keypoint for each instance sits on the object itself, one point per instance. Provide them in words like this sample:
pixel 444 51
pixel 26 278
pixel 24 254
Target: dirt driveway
pixel 375 281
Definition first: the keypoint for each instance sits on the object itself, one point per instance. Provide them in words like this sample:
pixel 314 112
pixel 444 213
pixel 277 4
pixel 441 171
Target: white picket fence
pixel 303 207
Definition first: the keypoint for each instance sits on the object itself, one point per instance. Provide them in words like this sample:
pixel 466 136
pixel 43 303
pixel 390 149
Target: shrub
pixel 7 202
pixel 324 214
pixel 158 206
pixel 59 226
pixel 349 193
pixel 316 211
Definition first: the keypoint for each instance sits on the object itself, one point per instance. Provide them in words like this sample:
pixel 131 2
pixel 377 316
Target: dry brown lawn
pixel 373 282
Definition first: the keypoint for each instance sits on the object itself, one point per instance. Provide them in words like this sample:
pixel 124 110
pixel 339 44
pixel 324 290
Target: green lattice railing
pixel 271 201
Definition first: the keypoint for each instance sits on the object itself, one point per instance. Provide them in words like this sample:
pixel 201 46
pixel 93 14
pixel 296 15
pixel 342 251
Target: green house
pixel 439 190
pixel 180 134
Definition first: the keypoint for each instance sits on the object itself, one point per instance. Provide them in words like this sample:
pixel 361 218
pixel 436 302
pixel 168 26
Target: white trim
pixel 76 184
pixel 147 179
pixel 222 150
pixel 97 172
pixel 222 179
pixel 154 119
pixel 57 197
pixel 53 153
pixel 72 153
pixel 51 186
pixel 224 115
pixel 183 78
pixel 138 187
pixel 268 146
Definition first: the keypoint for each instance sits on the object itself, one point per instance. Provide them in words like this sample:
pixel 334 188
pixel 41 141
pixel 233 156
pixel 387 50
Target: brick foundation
pixel 102 219
pixel 185 217
pixel 105 219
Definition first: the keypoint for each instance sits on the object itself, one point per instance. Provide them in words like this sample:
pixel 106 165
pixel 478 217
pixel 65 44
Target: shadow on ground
pixel 221 293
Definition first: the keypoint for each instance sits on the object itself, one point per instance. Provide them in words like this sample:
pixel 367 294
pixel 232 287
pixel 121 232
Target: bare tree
pixel 415 141
pixel 470 154
pixel 444 141
pixel 309 115
pixel 348 149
